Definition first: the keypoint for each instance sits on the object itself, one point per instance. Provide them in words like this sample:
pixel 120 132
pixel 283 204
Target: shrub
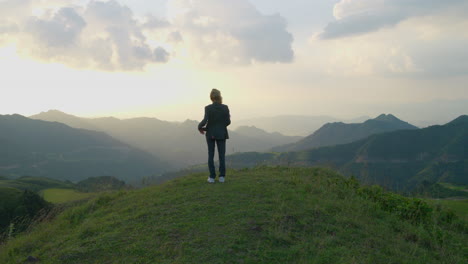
pixel 18 215
pixel 414 210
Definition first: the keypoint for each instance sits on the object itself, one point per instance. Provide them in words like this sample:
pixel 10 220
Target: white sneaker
pixel 221 179
pixel 211 180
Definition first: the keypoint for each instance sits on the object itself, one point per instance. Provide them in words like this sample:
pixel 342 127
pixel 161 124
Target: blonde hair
pixel 215 96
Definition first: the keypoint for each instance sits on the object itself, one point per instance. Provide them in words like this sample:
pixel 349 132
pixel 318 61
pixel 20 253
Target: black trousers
pixel 221 143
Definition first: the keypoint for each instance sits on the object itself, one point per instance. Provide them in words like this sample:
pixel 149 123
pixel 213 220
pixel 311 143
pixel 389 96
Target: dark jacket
pixel 216 120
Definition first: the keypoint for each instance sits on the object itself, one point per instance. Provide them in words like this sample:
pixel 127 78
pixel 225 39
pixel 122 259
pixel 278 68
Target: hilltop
pixel 262 215
pixel 337 133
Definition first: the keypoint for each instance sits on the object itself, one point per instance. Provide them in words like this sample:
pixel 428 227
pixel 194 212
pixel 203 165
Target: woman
pixel 215 123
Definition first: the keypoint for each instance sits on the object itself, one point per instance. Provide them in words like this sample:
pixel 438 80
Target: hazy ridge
pixel 177 143
pixel 338 133
pixel 40 148
pixel 293 125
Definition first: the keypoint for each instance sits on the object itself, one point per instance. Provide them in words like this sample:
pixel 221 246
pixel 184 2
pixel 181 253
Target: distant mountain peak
pixel 249 127
pixel 337 133
pixel 53 113
pixel 387 118
pixel 13 116
pixel 190 121
pixel 463 119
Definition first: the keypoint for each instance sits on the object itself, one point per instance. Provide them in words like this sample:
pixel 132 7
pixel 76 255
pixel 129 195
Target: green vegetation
pixel 441 190
pixel 261 215
pixel 101 184
pixel 460 207
pixel 454 187
pixel 51 149
pixel 35 183
pixel 9 199
pixel 332 134
pixel 18 209
pixel 59 196
pixel 21 204
pixel 402 160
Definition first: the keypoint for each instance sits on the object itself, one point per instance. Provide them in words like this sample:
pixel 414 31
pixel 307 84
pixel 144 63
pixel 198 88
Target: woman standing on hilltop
pixel 215 123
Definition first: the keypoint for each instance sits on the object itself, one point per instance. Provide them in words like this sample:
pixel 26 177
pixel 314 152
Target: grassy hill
pixel 262 215
pixel 60 196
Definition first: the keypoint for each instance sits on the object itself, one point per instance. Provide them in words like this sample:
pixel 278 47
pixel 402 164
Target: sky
pixel 161 58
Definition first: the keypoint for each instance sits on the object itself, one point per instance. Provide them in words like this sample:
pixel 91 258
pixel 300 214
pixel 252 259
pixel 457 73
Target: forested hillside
pixel 401 160
pixel 38 148
pixel 332 134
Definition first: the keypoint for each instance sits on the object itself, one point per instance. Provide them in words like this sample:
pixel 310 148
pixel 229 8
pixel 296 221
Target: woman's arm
pixel 204 121
pixel 228 119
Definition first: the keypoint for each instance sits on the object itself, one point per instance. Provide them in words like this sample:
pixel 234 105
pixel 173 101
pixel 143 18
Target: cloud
pixel 102 35
pixel 232 31
pixel 175 37
pixel 354 17
pixel 8 28
pixel 161 55
pixel 396 38
pixel 63 29
pixel 154 22
pixel 107 35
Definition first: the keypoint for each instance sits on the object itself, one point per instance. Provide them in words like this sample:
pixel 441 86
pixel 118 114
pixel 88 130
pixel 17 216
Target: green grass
pixel 454 187
pixel 58 196
pixel 35 184
pixel 458 206
pixel 262 215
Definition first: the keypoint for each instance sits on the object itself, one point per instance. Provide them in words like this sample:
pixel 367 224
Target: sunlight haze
pixel 128 58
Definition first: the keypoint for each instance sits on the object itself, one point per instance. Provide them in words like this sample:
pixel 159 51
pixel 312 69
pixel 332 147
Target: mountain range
pixel 338 133
pixel 401 160
pixel 40 148
pixel 177 143
pixel 293 125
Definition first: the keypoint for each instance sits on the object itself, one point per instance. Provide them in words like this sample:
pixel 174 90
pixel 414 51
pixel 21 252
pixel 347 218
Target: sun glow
pixel 34 86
